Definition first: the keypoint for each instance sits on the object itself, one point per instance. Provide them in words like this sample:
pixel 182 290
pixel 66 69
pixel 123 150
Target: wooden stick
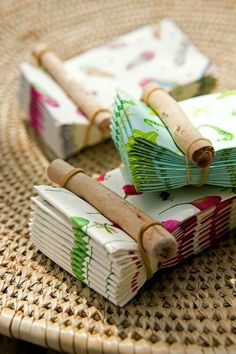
pixel 88 104
pixel 156 240
pixel 186 136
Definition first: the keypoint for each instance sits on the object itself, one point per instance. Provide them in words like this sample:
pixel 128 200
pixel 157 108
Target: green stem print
pixel 127 113
pixel 109 228
pixel 149 136
pixel 226 94
pixel 153 124
pixel 234 113
pixel 127 102
pixel 172 206
pixel 226 135
pixel 199 110
pixel 201 203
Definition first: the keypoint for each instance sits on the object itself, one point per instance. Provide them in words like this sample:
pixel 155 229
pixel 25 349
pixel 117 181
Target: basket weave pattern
pixel 190 308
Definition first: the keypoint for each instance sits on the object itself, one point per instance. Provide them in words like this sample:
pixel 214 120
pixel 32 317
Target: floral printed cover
pixel 88 245
pixel 149 152
pixel 160 53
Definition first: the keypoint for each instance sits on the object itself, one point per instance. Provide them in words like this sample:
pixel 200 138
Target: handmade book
pixel 100 254
pixel 152 158
pixel 159 53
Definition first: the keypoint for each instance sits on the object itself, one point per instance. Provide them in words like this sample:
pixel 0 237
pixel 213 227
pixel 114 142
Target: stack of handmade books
pixel 99 253
pixel 159 53
pixel 175 195
pixel 150 154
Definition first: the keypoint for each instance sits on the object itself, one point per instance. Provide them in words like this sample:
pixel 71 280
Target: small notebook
pixel 98 253
pixel 150 154
pixel 161 53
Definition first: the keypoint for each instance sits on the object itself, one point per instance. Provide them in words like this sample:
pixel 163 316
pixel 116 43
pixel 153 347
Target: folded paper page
pixel 159 53
pixel 99 253
pixel 150 154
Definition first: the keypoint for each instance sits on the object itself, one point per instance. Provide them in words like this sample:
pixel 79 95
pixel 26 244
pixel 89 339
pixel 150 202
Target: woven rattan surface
pixel 188 309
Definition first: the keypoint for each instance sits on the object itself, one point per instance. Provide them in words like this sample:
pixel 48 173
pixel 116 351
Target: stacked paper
pixel 86 244
pixel 161 53
pixel 149 152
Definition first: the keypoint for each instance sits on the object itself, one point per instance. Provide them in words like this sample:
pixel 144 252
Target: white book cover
pixel 101 255
pixel 161 53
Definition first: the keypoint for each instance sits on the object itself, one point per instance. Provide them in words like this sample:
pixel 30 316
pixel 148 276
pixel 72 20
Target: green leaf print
pixel 226 94
pixel 79 221
pixel 226 135
pixel 127 102
pixel 234 113
pixel 106 227
pixel 152 123
pixel 149 136
pixel 199 110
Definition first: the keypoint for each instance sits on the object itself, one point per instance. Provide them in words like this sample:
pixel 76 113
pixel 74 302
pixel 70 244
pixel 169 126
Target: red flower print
pixel 206 202
pixel 171 224
pixel 116 226
pixel 44 97
pixel 145 81
pixel 201 203
pixel 101 178
pixel 143 57
pixel 129 189
pixel 80 113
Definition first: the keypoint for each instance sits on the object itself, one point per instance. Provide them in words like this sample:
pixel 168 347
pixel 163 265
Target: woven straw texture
pixel 188 309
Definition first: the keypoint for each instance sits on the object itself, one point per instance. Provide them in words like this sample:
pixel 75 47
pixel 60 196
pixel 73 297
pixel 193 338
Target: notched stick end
pixel 39 50
pixel 204 156
pixel 159 243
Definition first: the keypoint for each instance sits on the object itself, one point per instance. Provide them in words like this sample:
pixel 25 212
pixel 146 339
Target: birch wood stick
pixel 186 136
pixel 87 103
pixel 157 241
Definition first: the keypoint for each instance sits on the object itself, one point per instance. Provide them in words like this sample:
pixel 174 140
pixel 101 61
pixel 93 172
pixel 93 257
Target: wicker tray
pixel 188 309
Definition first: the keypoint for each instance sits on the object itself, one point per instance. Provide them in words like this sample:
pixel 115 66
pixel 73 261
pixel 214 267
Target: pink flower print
pixel 143 57
pixel 101 178
pixel 44 97
pixel 201 203
pixel 92 93
pixel 37 98
pixel 129 189
pixel 145 81
pixel 171 224
pixel 206 202
pixel 168 85
pixel 80 113
pixel 35 110
pixel 134 282
pixel 116 226
pixel 51 102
